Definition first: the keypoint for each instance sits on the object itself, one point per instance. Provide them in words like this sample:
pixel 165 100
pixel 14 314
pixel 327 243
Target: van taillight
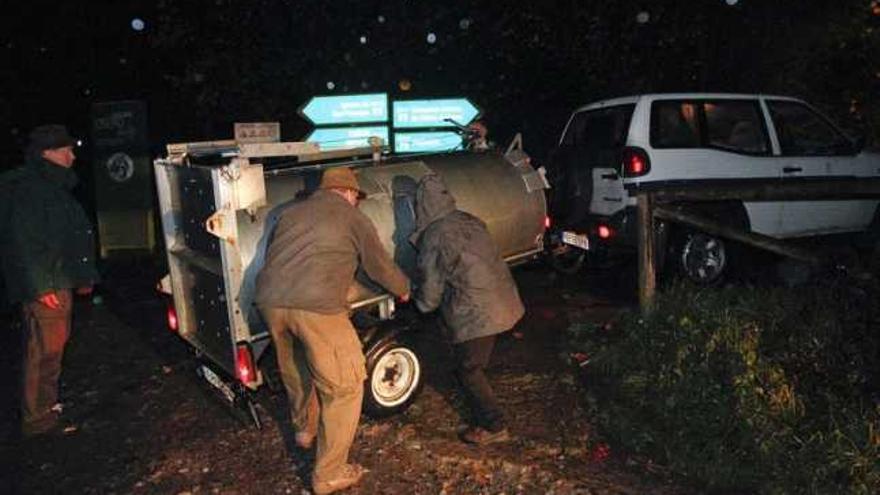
pixel 605 232
pixel 244 364
pixel 546 222
pixel 171 315
pixel 635 162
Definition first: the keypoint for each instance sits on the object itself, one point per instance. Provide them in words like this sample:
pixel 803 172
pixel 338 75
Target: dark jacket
pixel 314 252
pixel 460 269
pixel 47 239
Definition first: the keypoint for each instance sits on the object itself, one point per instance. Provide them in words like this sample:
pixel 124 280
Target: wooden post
pixel 647 270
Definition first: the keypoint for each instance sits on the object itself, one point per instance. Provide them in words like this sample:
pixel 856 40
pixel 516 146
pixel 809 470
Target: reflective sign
pixel 347 109
pixel 412 142
pixel 335 138
pixel 431 113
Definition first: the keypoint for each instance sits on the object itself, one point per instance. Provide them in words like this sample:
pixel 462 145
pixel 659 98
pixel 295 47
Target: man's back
pixel 314 252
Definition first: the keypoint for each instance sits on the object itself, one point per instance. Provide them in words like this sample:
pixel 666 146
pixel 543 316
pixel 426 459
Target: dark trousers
pixel 45 332
pixel 472 357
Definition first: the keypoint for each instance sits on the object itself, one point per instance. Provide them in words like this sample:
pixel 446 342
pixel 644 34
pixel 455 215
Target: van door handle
pixel 789 170
pixel 611 176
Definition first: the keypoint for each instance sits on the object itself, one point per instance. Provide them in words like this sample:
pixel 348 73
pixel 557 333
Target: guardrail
pixel 671 203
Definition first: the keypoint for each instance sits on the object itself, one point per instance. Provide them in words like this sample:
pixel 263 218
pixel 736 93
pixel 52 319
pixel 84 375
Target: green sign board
pixel 346 109
pixel 334 138
pixel 418 142
pixel 433 112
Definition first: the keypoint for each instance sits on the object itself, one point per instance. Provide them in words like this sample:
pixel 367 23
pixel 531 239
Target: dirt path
pixel 145 424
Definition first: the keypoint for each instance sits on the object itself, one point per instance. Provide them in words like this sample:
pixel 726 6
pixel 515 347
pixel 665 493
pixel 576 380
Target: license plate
pixel 577 240
pixel 217 383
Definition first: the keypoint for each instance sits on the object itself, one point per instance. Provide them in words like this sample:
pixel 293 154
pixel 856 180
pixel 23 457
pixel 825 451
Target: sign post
pixel 123 176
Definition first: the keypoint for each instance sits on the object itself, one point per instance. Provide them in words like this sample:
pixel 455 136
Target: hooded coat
pixel 460 269
pixel 47 240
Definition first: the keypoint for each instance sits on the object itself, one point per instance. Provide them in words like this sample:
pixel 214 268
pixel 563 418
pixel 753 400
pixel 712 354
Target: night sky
pixel 201 66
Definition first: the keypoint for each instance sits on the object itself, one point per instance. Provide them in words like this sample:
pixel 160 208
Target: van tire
pixel 703 258
pixel 706 259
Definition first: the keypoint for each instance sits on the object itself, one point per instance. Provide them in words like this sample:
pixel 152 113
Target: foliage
pixel 772 390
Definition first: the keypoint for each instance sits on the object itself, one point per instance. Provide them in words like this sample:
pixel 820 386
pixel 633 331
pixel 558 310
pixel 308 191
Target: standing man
pixel 462 273
pixel 47 252
pixel 301 290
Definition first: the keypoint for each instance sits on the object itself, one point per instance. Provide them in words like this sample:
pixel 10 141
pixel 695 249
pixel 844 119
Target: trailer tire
pixel 394 378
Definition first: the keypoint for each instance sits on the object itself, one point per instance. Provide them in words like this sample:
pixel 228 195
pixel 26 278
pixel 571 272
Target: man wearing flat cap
pixel 47 252
pixel 311 260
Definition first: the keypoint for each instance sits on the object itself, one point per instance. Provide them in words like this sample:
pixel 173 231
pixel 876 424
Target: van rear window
pixel 604 128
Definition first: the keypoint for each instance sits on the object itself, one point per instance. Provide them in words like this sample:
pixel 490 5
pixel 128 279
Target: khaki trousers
pixel 46 332
pixel 323 369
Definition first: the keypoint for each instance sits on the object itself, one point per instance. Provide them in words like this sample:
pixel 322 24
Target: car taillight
pixel 546 222
pixel 171 315
pixel 635 162
pixel 244 364
pixel 605 232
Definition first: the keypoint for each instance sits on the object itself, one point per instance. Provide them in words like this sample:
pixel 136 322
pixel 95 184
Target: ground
pixel 143 422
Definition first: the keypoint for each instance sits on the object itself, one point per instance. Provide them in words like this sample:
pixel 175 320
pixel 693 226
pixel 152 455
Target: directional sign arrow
pixel 433 112
pixel 346 109
pixel 334 138
pixel 417 142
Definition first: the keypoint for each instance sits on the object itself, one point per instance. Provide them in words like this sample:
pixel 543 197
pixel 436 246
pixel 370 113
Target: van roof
pixel 624 100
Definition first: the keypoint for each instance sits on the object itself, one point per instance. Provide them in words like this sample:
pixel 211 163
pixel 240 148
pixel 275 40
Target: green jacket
pixel 316 248
pixel 47 240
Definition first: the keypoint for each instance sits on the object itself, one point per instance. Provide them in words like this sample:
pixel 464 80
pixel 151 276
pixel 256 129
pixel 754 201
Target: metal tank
pixel 502 190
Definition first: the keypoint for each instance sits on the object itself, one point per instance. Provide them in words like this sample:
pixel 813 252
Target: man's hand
pixel 50 300
pixel 84 291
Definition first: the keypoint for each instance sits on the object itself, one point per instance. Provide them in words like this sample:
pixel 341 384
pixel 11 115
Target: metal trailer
pixel 220 200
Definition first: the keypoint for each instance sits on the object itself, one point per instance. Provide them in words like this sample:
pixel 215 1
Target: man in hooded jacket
pixel 47 252
pixel 462 273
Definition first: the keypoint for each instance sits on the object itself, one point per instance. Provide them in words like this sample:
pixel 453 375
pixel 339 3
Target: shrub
pixel 770 390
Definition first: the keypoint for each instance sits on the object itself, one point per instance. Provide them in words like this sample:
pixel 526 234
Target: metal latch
pixel 222 225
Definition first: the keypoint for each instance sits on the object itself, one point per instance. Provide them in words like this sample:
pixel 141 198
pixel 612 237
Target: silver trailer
pixel 219 202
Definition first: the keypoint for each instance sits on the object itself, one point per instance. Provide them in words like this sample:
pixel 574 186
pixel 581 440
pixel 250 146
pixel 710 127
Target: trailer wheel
pixel 394 379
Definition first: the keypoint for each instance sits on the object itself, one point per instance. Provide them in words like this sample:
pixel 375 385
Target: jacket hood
pixel 433 202
pixel 65 177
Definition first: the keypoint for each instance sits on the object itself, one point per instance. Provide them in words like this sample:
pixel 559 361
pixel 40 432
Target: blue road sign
pixel 431 113
pixel 334 138
pixel 347 109
pixel 417 142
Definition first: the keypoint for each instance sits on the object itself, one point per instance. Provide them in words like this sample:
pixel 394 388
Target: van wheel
pixel 703 258
pixel 394 379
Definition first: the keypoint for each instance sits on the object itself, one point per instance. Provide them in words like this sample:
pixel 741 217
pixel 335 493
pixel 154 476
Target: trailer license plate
pixel 217 383
pixel 577 240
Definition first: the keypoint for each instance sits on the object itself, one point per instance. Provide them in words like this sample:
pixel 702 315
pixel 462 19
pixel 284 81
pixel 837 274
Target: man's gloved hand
pixel 84 291
pixel 50 300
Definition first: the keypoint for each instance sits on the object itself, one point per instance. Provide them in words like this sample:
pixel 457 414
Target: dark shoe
pixel 481 436
pixel 351 474
pixel 44 425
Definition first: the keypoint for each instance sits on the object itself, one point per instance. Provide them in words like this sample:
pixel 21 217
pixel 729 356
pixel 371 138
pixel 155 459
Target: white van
pixel 638 142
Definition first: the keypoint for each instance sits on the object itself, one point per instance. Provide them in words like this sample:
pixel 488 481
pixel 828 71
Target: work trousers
pixel 323 369
pixel 46 331
pixel 472 358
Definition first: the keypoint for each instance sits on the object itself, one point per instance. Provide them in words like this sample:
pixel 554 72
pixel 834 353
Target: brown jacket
pixel 460 268
pixel 314 253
